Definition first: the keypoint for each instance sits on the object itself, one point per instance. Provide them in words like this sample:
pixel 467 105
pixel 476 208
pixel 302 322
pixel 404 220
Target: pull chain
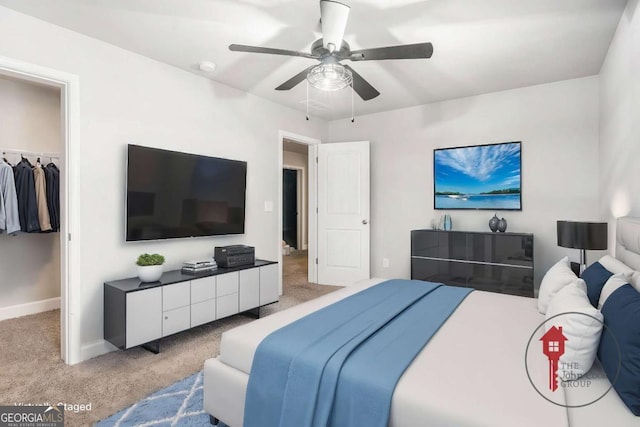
pixel 353 118
pixel 307 99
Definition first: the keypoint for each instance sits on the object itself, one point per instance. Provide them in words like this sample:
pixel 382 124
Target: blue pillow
pixel 621 313
pixel 595 276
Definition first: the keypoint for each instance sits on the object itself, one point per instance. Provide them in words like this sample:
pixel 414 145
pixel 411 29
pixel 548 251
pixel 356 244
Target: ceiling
pixel 479 46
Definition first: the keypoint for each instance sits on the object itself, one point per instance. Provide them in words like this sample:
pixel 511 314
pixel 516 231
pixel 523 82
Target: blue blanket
pixel 338 366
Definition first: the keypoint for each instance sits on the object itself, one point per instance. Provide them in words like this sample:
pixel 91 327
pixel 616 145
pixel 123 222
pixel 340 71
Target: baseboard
pixel 29 308
pixel 96 348
pixel 305 247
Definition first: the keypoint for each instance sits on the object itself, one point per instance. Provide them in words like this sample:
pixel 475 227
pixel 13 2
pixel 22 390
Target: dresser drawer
pixel 203 289
pixel 269 286
pixel 226 306
pixel 143 316
pixel 176 295
pixel 203 312
pixel 176 320
pixel 249 293
pixel 227 284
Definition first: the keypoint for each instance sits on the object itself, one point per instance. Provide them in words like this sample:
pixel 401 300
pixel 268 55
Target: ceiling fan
pixel 331 49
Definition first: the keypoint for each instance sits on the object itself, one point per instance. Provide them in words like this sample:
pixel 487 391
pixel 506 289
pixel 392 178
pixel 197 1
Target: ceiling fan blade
pixel 258 49
pixel 361 86
pixel 293 81
pixel 407 51
pixel 333 17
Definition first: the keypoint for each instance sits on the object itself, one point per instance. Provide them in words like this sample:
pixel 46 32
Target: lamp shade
pixel 582 235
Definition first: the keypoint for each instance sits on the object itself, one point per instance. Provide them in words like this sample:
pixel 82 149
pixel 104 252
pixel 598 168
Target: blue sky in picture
pixel 477 169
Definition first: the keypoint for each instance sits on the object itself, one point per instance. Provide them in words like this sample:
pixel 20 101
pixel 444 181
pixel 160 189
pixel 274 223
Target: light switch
pixel 268 206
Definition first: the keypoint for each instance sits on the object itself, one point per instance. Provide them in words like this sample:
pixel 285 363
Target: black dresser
pixel 493 262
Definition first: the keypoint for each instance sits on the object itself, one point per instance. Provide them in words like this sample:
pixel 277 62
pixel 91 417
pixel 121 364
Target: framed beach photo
pixel 478 177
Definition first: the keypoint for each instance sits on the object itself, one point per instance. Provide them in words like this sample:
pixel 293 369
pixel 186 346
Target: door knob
pixel 365 222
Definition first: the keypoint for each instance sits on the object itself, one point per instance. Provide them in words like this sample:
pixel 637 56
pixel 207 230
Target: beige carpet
pixel 32 371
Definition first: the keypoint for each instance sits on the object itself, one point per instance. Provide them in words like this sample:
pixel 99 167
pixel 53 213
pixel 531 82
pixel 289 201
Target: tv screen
pixel 478 177
pixel 172 195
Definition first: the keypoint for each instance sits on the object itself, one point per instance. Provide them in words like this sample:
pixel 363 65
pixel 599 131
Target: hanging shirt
pixel 3 217
pixel 9 216
pixel 52 177
pixel 41 198
pixel 26 192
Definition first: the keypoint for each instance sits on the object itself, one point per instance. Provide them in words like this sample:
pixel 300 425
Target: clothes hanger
pixel 51 163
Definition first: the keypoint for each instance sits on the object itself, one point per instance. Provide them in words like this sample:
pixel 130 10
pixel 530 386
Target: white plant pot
pixel 149 273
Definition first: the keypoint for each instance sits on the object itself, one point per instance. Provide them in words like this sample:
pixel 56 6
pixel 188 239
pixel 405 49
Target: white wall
pixel 620 122
pixel 299 160
pixel 29 263
pixel 558 126
pixel 127 98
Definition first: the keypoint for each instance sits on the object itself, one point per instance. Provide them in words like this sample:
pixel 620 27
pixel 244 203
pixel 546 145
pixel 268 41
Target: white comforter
pixel 472 373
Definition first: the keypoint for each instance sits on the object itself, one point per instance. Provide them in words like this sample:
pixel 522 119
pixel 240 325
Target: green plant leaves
pixel 150 259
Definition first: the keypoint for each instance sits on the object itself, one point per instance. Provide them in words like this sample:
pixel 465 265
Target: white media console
pixel 137 313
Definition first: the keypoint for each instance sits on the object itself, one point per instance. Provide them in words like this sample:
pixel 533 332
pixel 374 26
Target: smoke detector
pixel 207 66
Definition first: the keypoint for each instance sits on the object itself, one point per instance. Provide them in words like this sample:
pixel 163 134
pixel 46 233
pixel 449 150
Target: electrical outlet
pixel 385 262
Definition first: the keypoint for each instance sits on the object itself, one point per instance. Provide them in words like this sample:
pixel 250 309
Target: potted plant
pixel 150 267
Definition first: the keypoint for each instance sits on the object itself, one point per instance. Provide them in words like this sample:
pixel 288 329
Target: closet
pixel 31 143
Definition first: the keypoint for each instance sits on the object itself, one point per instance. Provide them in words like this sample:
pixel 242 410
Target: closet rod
pixel 31 153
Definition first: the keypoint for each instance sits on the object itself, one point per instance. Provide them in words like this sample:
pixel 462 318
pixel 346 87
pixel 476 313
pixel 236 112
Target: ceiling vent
pixel 314 105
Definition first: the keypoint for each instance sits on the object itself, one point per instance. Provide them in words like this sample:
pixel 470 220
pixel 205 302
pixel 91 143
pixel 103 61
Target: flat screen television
pixel 172 195
pixel 478 177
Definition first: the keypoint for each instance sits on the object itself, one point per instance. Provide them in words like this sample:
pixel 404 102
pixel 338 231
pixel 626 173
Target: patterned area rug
pixel 180 404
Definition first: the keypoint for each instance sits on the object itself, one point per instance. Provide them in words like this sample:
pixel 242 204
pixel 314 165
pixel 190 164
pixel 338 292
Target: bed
pixel 470 374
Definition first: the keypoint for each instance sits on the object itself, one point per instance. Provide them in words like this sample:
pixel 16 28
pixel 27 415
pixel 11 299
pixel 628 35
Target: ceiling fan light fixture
pixel 329 77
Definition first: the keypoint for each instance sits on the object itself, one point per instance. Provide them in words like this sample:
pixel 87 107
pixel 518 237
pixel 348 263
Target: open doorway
pixel 31 143
pixel 295 212
pixel 56 250
pixel 291 212
pixel 297 267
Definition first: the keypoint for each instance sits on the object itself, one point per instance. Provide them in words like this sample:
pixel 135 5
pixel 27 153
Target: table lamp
pixel 583 236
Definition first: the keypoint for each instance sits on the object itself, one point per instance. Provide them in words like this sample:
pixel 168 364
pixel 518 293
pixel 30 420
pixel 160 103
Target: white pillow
pixel 611 286
pixel 556 278
pixel 616 266
pixel 581 330
pixel 635 280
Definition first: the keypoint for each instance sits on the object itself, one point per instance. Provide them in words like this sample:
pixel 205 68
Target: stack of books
pixel 200 266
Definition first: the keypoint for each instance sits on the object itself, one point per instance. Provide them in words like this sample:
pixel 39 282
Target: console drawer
pixel 203 312
pixel 176 295
pixel 203 289
pixel 176 320
pixel 227 284
pixel 226 305
pixel 143 314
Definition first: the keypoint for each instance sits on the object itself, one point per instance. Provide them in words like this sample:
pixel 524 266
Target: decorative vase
pixel 502 225
pixel 447 222
pixel 493 223
pixel 149 273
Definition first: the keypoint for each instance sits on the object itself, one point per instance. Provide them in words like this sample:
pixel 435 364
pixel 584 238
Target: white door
pixel 343 213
